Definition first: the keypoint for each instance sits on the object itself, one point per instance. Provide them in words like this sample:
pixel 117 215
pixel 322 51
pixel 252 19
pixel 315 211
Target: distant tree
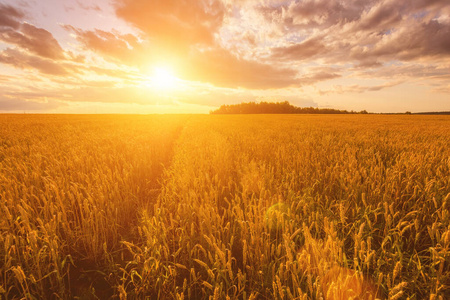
pixel 275 108
pixel 407 113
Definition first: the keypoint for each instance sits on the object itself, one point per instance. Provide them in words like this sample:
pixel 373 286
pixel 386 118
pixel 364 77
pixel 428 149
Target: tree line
pixel 277 108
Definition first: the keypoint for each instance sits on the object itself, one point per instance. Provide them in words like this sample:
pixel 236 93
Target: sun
pixel 163 79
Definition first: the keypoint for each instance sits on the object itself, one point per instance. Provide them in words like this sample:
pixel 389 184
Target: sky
pixel 191 56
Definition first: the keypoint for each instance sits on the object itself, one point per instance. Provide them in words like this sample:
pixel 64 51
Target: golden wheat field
pixel 224 207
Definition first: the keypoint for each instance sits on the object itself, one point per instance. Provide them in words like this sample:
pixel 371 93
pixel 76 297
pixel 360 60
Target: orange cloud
pixel 22 60
pixel 173 23
pixel 358 88
pixel 366 33
pixel 184 32
pixel 318 76
pixel 36 40
pixel 301 51
pixel 14 104
pixel 122 48
pixel 221 68
pixel 10 17
pixel 243 50
pixel 418 40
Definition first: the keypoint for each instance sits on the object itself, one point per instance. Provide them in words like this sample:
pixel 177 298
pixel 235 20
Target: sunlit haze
pixel 135 56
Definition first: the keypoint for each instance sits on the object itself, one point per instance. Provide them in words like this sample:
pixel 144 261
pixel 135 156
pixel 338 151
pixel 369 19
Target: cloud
pixel 381 16
pixel 425 41
pixel 25 36
pixel 113 73
pixel 89 7
pixel 183 32
pixel 108 94
pixel 124 48
pixel 6 78
pixel 208 95
pixel 235 50
pixel 416 41
pixel 187 33
pixel 323 13
pixel 14 104
pixel 21 60
pixel 407 71
pixel 100 92
pixel 364 33
pixel 221 68
pixel 10 17
pixel 444 89
pixel 174 23
pixel 302 51
pixel 318 76
pixel 339 89
pixel 36 40
pixel 437 75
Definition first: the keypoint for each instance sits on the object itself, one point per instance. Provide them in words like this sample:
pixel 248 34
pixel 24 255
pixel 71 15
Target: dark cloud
pixel 389 15
pixel 10 17
pixel 365 33
pixel 380 17
pixel 324 13
pixel 315 14
pixel 365 14
pixel 36 40
pixel 427 40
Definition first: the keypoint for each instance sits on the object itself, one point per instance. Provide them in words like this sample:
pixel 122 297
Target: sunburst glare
pixel 162 78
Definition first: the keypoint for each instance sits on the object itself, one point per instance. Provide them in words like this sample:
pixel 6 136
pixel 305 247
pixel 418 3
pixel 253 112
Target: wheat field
pixel 224 207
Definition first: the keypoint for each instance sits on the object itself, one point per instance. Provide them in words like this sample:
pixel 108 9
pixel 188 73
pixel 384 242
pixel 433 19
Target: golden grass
pixel 178 207
pixel 320 259
pixel 342 283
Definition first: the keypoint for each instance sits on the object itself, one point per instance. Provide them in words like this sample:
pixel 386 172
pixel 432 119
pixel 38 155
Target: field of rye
pixel 224 206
